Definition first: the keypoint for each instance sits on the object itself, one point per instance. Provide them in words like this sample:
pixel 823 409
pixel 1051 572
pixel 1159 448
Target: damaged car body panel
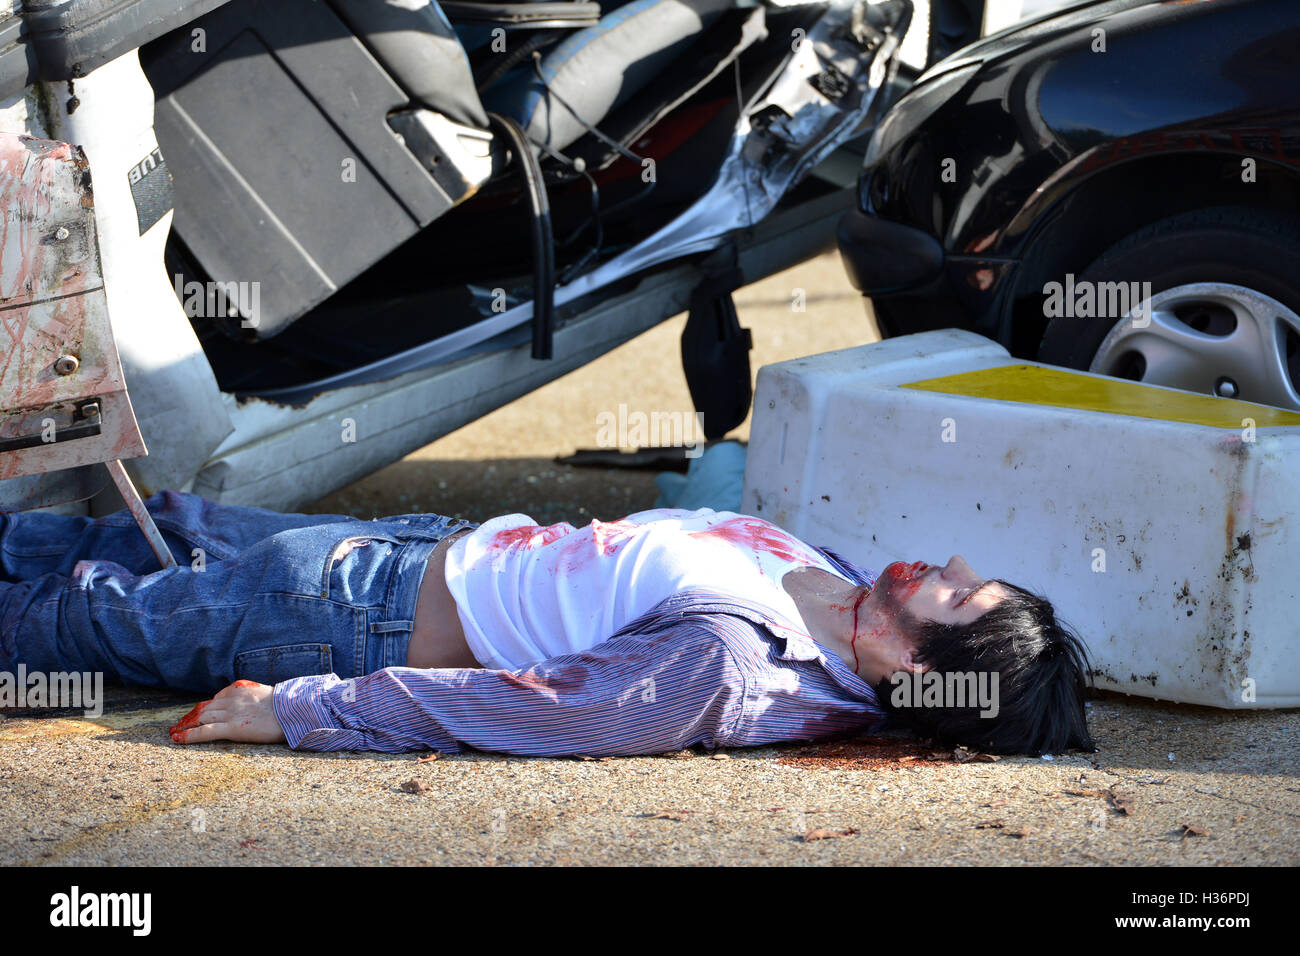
pixel 779 138
pixel 65 404
pixel 350 234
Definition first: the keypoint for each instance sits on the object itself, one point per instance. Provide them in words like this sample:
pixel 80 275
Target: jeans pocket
pixel 271 665
pixel 345 547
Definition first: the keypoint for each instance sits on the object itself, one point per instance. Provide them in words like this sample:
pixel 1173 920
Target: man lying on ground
pixel 654 633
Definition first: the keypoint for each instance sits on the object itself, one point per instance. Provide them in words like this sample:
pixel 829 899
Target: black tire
pixel 1248 247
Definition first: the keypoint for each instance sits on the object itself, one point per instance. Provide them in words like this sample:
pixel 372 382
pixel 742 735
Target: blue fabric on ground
pixel 714 480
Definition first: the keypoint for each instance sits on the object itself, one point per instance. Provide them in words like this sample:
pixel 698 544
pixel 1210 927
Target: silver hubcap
pixel 1209 337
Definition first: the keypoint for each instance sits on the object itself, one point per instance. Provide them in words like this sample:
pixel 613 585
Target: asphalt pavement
pixel 1170 784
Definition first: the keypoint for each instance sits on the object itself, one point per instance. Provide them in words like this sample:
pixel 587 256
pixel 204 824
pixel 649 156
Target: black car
pixel 1030 185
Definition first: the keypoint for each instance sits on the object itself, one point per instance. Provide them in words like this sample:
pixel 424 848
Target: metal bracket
pixel 138 511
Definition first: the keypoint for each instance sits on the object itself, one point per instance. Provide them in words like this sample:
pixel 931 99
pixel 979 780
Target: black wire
pixel 579 167
pixel 631 199
pixel 515 57
pixel 618 147
pixel 580 263
pixel 543 238
pixel 613 144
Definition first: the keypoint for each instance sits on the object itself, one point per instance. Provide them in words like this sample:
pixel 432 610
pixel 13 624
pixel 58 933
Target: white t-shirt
pixel 525 593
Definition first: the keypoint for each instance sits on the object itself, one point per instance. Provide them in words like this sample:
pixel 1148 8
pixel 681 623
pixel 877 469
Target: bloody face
pixel 949 594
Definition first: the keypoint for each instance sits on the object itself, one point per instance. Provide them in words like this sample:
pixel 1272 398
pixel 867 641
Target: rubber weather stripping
pixel 543 238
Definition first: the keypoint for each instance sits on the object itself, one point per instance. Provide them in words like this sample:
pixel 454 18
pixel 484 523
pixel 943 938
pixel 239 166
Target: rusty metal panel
pixel 63 400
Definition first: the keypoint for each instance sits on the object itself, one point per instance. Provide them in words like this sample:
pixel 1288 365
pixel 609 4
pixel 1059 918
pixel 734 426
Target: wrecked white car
pixel 293 221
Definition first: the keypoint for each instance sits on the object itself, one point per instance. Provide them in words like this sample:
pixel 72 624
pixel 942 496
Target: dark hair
pixel 1041 667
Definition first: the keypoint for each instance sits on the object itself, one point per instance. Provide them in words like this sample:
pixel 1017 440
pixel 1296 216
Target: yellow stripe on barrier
pixel 1060 388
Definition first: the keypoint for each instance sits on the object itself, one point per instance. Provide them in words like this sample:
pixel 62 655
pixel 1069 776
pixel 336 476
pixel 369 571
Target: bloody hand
pixel 242 712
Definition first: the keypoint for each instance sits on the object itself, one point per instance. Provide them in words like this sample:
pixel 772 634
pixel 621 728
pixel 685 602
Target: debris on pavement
pixel 820 834
pixel 678 815
pixel 868 753
pixel 965 755
pixel 1124 804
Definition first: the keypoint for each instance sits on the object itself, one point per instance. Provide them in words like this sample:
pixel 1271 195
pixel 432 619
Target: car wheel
pixel 1223 317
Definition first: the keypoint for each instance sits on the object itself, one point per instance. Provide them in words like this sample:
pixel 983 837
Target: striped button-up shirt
pixel 701 667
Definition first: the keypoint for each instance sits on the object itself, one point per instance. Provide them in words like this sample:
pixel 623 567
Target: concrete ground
pixel 1170 785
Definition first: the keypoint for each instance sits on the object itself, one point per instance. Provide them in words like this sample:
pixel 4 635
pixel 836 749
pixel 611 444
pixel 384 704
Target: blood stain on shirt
pixel 528 680
pixel 529 536
pixel 611 535
pixel 598 538
pixel 569 679
pixel 758 535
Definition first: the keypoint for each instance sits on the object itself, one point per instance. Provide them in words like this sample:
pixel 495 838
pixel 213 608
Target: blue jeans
pixel 258 595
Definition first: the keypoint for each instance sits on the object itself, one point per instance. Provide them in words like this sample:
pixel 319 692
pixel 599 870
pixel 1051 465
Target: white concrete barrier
pixel 1161 524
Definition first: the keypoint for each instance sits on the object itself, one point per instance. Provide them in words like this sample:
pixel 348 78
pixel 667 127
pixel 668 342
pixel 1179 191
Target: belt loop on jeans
pixel 409 565
pixel 397 617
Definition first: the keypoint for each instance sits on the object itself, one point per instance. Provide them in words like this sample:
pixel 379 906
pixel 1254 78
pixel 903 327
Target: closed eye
pixel 971 593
